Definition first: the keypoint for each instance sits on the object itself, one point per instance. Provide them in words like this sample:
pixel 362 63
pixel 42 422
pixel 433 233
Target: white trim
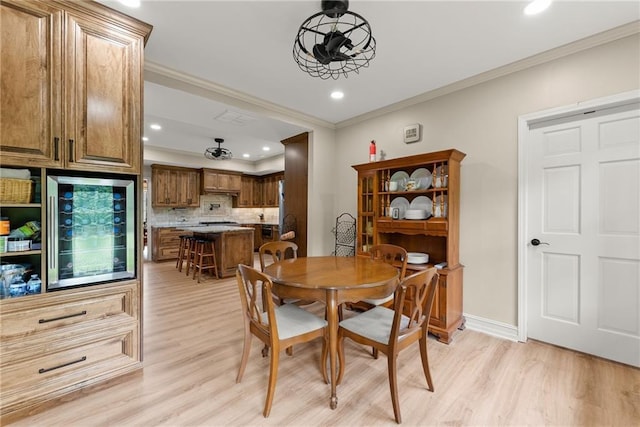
pixel 491 327
pixel 524 122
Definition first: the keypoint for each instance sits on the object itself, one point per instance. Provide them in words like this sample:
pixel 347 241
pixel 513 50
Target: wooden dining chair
pixel 392 330
pixel 391 254
pixel 278 327
pixel 276 251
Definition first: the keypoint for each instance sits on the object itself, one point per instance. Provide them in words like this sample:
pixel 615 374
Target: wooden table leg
pixel 332 320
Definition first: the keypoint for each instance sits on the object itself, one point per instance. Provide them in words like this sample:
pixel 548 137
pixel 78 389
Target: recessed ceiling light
pixel 265 148
pixel 336 94
pixel 130 3
pixel 145 139
pixel 155 126
pixel 536 6
pixel 246 155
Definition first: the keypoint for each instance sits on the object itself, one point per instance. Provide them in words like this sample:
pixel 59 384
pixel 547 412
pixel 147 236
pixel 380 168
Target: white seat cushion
pixel 378 301
pixel 293 320
pixel 374 324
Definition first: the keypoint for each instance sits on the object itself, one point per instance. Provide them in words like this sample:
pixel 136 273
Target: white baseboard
pixel 491 327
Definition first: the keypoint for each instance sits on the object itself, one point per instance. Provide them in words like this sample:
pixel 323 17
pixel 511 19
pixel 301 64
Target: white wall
pixel 482 122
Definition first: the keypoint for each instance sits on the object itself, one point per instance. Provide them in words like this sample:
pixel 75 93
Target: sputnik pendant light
pixel 334 42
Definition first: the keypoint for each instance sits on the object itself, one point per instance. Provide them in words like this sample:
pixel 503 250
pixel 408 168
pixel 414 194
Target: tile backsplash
pixel 213 207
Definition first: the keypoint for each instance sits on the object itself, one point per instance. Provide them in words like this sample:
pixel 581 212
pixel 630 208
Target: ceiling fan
pixel 334 42
pixel 218 153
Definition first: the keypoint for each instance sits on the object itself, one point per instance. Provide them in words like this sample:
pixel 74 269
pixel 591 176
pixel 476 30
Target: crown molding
pixel 541 58
pixel 156 73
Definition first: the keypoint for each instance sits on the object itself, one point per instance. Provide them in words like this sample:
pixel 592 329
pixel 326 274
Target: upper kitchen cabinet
pixel 246 198
pixel 71 81
pixel 270 196
pixel 173 186
pixel 214 181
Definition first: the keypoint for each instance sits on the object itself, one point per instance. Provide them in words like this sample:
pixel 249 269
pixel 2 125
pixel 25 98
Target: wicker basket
pixel 15 190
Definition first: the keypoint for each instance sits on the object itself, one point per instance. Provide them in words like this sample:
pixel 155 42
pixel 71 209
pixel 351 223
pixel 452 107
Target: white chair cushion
pixel 374 324
pixel 293 320
pixel 378 301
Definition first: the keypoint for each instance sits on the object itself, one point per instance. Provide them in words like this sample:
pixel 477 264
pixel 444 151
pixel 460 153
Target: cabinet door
pixel 30 105
pixel 164 187
pixel 209 180
pixel 366 211
pixel 188 188
pixel 270 192
pixel 103 96
pixel 257 192
pixel 245 199
pixel 193 188
pixel 229 182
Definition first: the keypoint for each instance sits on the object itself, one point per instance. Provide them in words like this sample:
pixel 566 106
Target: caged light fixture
pixel 218 153
pixel 334 42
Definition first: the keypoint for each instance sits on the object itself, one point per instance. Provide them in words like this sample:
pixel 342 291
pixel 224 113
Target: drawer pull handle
pixel 82 313
pixel 43 370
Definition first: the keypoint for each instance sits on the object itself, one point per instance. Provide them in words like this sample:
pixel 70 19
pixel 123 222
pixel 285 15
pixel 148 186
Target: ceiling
pixel 243 49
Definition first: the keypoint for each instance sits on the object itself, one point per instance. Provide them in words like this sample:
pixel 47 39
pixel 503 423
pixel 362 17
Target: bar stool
pixel 185 242
pixel 204 248
pixel 191 251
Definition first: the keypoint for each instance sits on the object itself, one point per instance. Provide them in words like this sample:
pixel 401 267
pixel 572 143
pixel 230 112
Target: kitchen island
pixel 233 245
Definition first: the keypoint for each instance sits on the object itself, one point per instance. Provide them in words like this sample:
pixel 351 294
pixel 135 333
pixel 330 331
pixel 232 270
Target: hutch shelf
pixel 389 184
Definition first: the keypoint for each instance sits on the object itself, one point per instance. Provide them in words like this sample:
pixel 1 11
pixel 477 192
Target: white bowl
pixel 417 258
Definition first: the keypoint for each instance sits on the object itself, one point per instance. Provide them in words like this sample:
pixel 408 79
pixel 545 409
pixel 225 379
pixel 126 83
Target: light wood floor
pixel 193 342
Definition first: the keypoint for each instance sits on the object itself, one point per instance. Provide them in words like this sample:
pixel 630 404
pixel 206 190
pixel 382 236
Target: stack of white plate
pixel 416 214
pixel 417 258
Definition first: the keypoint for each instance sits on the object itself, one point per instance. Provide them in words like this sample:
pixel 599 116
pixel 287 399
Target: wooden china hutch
pixel 438 181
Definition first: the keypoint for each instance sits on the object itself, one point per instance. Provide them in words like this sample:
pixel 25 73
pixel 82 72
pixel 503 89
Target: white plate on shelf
pixel 417 258
pixel 416 214
pixel 401 178
pixel 422 177
pixel 422 202
pixel 402 204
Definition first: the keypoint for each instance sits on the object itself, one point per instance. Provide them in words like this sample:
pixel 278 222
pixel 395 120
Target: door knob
pixel 536 242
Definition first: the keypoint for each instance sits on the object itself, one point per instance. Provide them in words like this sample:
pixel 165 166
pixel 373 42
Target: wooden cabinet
pixel 72 86
pixel 245 199
pixel 55 341
pixel 233 248
pixel 71 79
pixel 270 196
pixel 214 181
pixel 165 243
pixel 438 235
pixel 257 192
pixel 174 186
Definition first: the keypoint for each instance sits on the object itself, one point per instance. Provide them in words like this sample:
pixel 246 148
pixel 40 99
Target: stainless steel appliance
pixel 267 232
pixel 281 205
pixel 91 230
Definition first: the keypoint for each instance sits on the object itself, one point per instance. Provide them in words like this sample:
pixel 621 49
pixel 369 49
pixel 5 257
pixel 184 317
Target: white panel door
pixel 583 231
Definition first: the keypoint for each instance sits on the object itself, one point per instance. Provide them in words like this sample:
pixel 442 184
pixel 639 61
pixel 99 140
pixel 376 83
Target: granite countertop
pixel 212 228
pixel 182 225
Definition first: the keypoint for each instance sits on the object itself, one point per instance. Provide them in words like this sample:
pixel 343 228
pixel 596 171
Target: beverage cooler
pixel 91 232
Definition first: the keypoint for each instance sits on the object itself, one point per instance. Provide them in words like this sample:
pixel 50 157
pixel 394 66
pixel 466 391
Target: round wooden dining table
pixel 333 280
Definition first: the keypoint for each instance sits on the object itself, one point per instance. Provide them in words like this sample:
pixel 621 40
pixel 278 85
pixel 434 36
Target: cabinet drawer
pixel 46 317
pixel 100 355
pixel 432 226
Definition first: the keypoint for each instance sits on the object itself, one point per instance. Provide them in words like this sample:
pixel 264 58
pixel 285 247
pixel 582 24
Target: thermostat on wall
pixel 412 133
